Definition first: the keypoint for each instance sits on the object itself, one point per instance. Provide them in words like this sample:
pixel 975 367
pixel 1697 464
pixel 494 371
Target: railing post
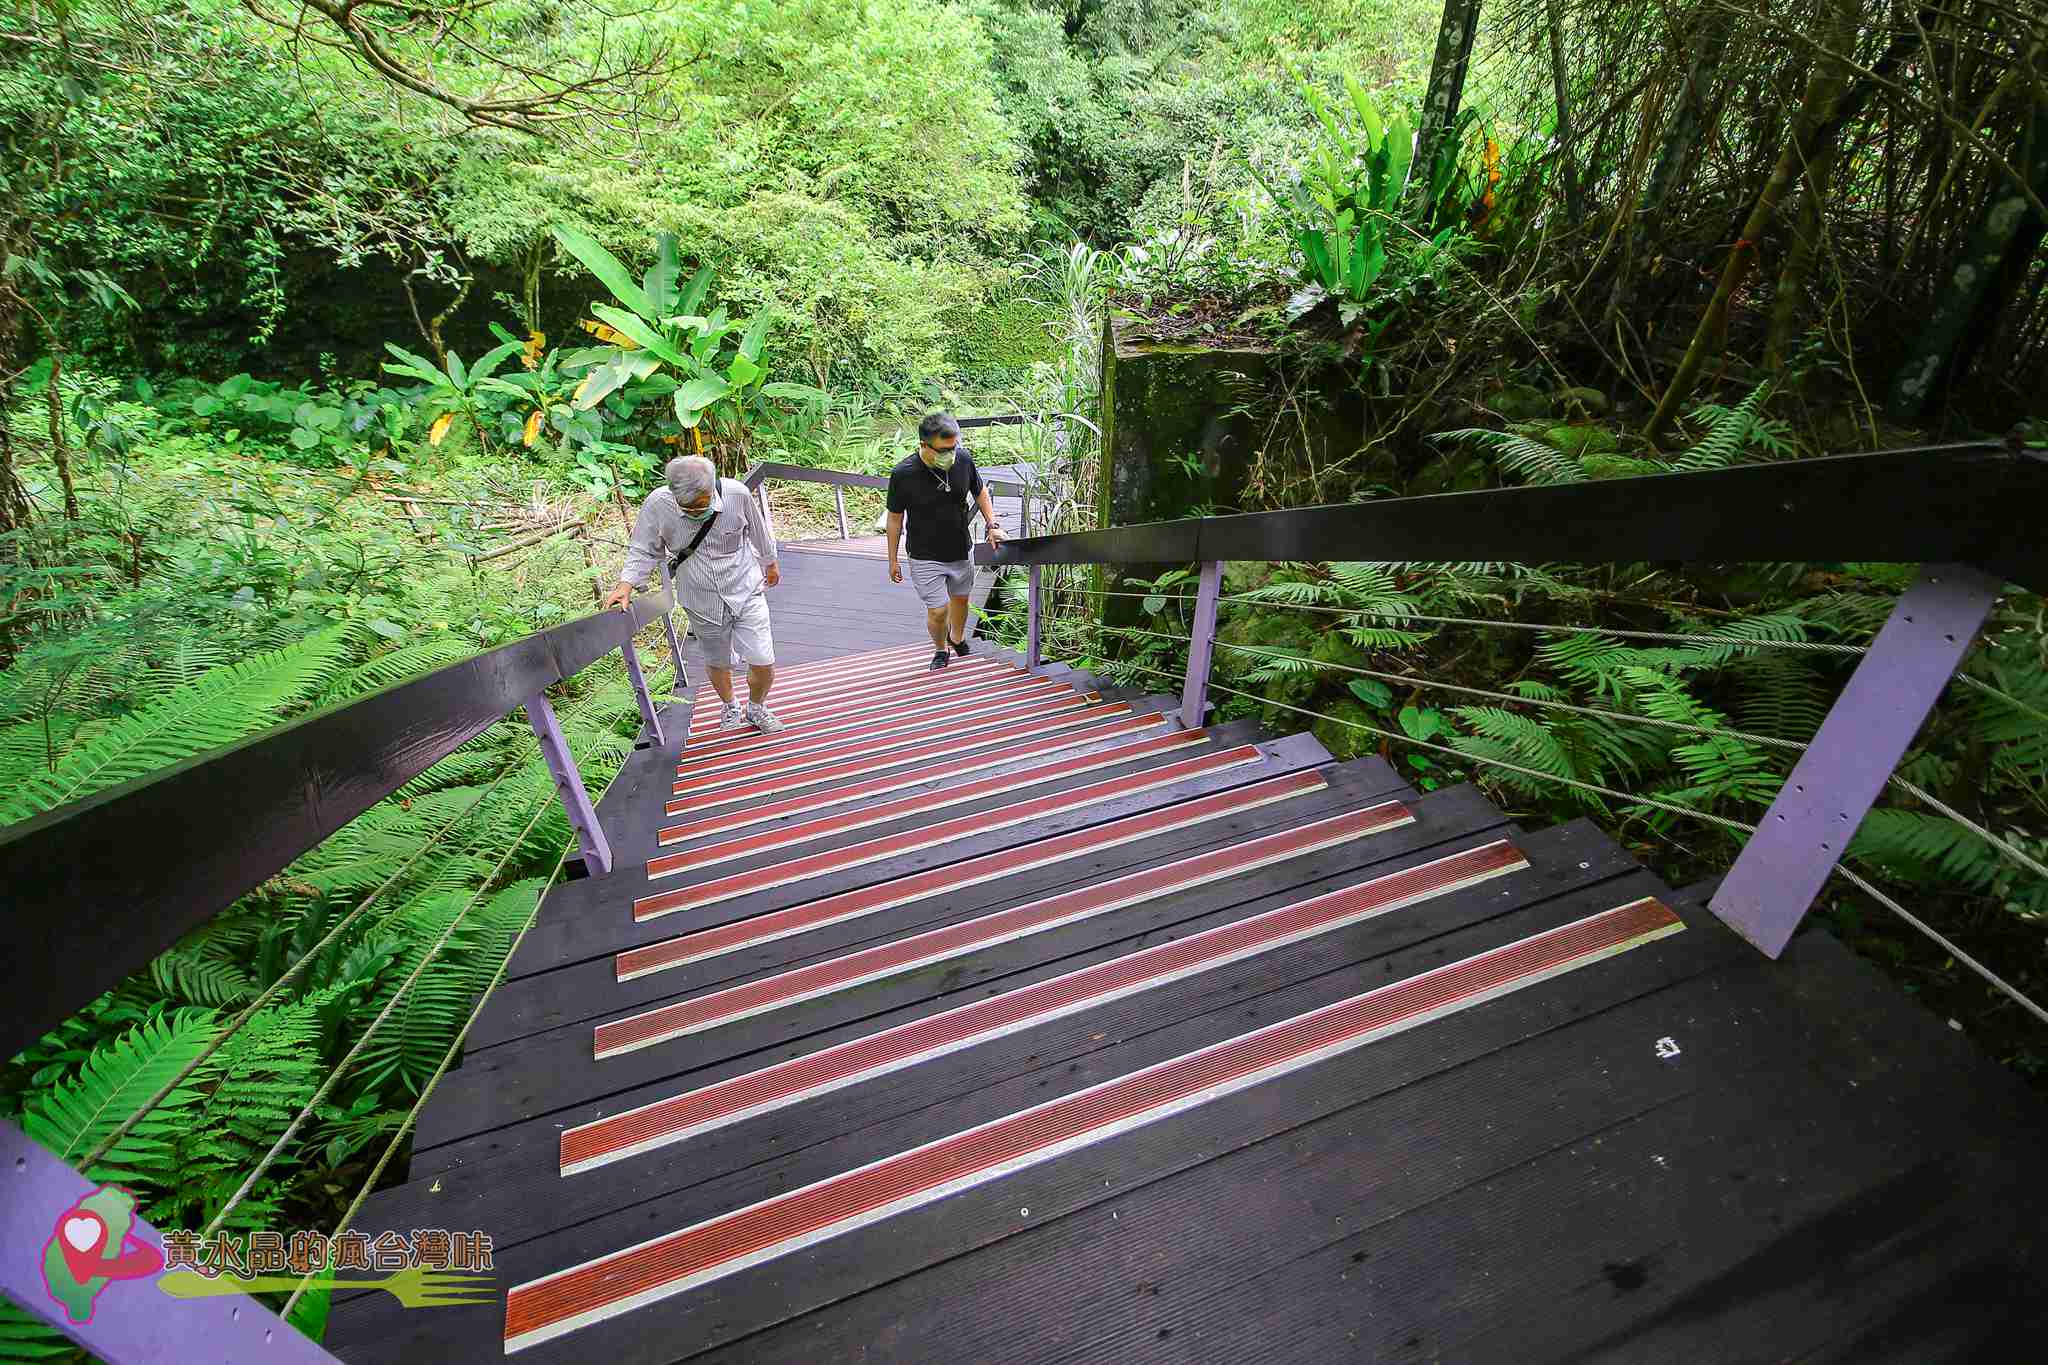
pixel 1194 694
pixel 597 853
pixel 130 1321
pixel 767 512
pixel 648 715
pixel 675 644
pixel 1808 827
pixel 1035 597
pixel 839 505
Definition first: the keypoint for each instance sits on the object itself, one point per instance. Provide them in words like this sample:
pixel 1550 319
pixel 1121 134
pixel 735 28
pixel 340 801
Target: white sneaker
pixel 732 716
pixel 762 719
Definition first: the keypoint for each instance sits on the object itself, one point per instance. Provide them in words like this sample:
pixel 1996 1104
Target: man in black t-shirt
pixel 938 487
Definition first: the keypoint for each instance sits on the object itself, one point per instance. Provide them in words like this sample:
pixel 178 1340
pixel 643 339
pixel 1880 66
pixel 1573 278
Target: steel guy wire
pixel 2010 850
pixel 1996 981
pixel 292 972
pixel 426 1092
pixel 334 1076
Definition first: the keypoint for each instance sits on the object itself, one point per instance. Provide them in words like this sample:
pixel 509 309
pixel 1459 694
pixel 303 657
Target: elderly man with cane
pixel 721 556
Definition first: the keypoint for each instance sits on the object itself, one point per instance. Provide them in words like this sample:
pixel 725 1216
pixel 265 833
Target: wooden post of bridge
pixel 1194 693
pixel 134 1319
pixel 649 717
pixel 1808 827
pixel 597 852
pixel 1035 598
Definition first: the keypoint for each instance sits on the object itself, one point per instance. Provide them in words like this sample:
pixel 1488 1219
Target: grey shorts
pixel 936 580
pixel 745 634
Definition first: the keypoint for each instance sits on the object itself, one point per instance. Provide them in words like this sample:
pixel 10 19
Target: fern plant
pixel 223 706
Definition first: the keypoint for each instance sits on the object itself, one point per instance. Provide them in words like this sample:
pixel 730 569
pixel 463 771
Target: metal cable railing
pixel 292 973
pixel 1399 618
pixel 1634 798
pixel 426 1092
pixel 2011 851
pixel 340 1068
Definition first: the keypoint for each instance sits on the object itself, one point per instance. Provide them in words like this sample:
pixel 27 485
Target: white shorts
pixel 936 580
pixel 744 635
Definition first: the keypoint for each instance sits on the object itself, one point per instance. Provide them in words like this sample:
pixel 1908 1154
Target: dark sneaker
pixel 960 648
pixel 939 659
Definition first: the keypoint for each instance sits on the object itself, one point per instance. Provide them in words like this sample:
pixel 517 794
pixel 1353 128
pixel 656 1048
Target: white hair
pixel 691 477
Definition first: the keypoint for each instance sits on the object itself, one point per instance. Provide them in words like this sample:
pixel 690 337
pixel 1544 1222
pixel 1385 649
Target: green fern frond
pixel 1928 847
pixel 28 747
pixel 1530 460
pixel 71 1117
pixel 23 1336
pixel 1781 695
pixel 396 666
pixel 185 975
pixel 1732 432
pixel 226 705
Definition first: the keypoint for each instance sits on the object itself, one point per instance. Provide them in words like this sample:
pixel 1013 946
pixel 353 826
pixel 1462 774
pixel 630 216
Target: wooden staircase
pixel 992 1014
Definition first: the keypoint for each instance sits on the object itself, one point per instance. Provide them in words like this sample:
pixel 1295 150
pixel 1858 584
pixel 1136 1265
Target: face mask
pixel 941 459
pixel 702 516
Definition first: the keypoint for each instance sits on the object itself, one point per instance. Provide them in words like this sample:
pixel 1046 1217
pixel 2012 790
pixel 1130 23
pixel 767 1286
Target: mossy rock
pixel 1580 441
pixel 1521 402
pixel 1345 741
pixel 1592 402
pixel 1279 629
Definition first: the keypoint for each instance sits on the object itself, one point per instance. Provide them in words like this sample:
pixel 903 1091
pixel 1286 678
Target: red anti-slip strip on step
pixel 869 900
pixel 901 712
pixel 831 748
pixel 819 979
pixel 1063 728
pixel 959 794
pixel 890 701
pixel 850 693
pixel 928 836
pixel 843 792
pixel 847 665
pixel 662 1267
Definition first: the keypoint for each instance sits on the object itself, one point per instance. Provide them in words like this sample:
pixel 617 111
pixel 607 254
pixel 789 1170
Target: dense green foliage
pixel 316 376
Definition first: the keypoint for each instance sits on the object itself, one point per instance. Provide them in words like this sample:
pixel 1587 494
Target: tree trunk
pixel 1829 104
pixel 1575 209
pixel 1992 269
pixel 60 453
pixel 1694 121
pixel 1460 25
pixel 1806 236
pixel 14 508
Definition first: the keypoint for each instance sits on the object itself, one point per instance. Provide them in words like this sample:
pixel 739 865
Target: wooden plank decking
pixel 1106 1042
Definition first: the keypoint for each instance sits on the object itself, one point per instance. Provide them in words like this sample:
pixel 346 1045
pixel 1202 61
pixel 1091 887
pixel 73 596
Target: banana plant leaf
pixel 603 380
pixel 693 295
pixel 756 335
pixel 606 267
pixel 697 395
pixel 659 284
pixel 415 366
pixel 626 324
pixel 491 360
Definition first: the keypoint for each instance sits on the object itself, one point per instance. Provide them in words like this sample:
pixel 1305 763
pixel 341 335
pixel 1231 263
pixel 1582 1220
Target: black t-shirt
pixel 936 505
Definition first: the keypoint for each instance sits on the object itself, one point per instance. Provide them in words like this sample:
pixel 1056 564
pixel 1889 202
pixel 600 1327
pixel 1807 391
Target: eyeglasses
pixel 941 450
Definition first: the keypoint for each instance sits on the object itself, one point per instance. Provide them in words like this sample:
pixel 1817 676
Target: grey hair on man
pixel 690 477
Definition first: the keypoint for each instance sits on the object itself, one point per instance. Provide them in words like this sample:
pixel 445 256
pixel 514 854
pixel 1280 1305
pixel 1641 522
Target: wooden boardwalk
pixel 992 1016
